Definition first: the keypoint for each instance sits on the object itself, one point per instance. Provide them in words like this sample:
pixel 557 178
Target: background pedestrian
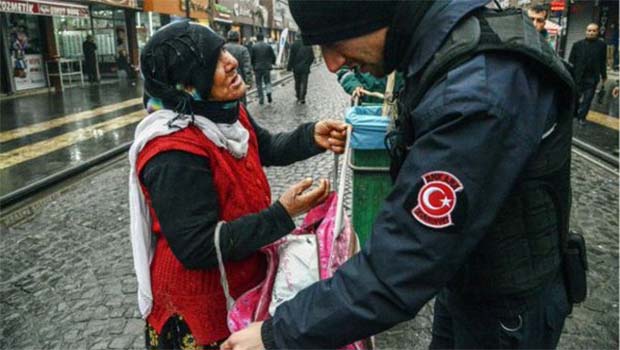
pixel 263 57
pixel 589 58
pixel 89 48
pixel 300 60
pixel 242 54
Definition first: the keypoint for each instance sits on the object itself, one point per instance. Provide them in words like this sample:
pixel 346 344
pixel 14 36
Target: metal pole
pixel 150 29
pixel 187 10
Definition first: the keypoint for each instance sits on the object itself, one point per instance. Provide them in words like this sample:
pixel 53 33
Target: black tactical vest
pixel 521 250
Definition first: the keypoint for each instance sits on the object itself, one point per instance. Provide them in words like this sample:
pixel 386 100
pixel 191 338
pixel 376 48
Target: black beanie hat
pixel 329 21
pixel 183 53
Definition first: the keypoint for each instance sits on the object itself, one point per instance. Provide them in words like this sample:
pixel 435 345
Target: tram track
pixel 14 198
pixel 595 155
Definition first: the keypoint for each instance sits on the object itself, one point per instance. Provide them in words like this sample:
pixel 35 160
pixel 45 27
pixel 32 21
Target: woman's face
pixel 227 84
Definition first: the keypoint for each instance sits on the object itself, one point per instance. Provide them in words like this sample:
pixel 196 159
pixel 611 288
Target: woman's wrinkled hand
pixel 331 135
pixel 298 199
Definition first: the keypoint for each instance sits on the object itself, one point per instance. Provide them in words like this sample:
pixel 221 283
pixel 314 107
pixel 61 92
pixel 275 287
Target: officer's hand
pixel 296 202
pixel 615 92
pixel 247 339
pixel 358 92
pixel 331 135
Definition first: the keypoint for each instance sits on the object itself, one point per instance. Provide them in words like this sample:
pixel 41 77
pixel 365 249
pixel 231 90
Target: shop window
pixel 24 34
pixel 25 47
pixel 147 23
pixel 70 33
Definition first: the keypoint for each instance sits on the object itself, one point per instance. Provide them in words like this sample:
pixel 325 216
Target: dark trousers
pixel 301 85
pixel 586 95
pixel 535 324
pixel 263 76
pixel 90 70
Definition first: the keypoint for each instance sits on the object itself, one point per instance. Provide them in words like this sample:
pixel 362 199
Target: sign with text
pixel 122 3
pixel 44 8
pixel 29 77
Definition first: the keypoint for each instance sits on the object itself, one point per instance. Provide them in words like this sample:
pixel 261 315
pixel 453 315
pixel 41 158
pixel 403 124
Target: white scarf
pixel 233 137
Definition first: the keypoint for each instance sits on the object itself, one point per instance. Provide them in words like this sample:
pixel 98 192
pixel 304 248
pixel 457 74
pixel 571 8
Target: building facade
pixel 37 34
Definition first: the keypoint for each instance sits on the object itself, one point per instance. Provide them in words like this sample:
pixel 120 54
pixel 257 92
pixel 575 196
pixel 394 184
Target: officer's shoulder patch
pixel 437 199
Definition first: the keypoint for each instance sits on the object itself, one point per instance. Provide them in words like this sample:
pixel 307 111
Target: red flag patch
pixel 437 199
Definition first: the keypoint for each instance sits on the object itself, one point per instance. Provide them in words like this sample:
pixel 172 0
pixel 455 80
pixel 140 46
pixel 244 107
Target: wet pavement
pixel 66 274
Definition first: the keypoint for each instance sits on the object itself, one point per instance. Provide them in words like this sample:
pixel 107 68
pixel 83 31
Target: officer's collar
pixel 439 20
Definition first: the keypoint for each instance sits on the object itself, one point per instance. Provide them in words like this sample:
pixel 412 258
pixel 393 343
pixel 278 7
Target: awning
pixel 44 8
pixel 198 8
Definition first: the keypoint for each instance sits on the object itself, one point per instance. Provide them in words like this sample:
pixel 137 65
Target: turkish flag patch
pixel 437 199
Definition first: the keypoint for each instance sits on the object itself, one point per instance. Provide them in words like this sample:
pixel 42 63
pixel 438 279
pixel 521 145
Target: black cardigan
pixel 183 196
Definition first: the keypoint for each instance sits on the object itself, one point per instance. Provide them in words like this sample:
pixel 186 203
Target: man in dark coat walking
pixel 588 57
pixel 89 48
pixel 299 62
pixel 262 59
pixel 242 55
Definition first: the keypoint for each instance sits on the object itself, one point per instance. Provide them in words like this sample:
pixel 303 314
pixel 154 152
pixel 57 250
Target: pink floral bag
pixel 253 305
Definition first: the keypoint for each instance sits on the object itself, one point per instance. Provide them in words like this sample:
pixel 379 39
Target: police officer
pixel 481 196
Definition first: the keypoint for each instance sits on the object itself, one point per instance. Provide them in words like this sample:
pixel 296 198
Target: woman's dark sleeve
pixel 185 201
pixel 286 147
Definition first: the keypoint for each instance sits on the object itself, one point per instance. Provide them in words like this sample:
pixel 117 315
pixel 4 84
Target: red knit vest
pixel 196 295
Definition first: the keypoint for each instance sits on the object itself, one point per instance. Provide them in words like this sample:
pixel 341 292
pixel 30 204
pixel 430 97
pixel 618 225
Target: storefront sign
pixel 198 8
pixel 32 75
pixel 44 8
pixel 122 3
pixel 195 5
pixel 223 13
pixel 558 5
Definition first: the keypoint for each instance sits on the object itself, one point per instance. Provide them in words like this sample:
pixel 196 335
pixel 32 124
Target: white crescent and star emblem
pixel 437 199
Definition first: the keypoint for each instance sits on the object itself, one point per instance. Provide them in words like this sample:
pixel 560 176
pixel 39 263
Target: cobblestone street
pixel 66 272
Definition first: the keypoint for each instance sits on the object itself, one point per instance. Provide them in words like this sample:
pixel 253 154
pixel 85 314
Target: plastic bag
pixel 298 268
pixel 369 127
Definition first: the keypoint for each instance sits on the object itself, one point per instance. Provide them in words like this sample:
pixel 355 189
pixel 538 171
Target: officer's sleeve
pixel 450 188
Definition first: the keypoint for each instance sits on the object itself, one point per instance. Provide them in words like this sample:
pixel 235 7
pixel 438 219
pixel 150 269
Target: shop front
pixel 27 42
pixel 246 17
pixel 113 24
pixel 222 19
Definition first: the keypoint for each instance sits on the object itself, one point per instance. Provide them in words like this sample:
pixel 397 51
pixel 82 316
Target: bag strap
pixel 220 263
pixel 341 185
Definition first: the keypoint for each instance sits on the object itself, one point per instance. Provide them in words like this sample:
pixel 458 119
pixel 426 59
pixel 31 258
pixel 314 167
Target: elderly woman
pixel 196 161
